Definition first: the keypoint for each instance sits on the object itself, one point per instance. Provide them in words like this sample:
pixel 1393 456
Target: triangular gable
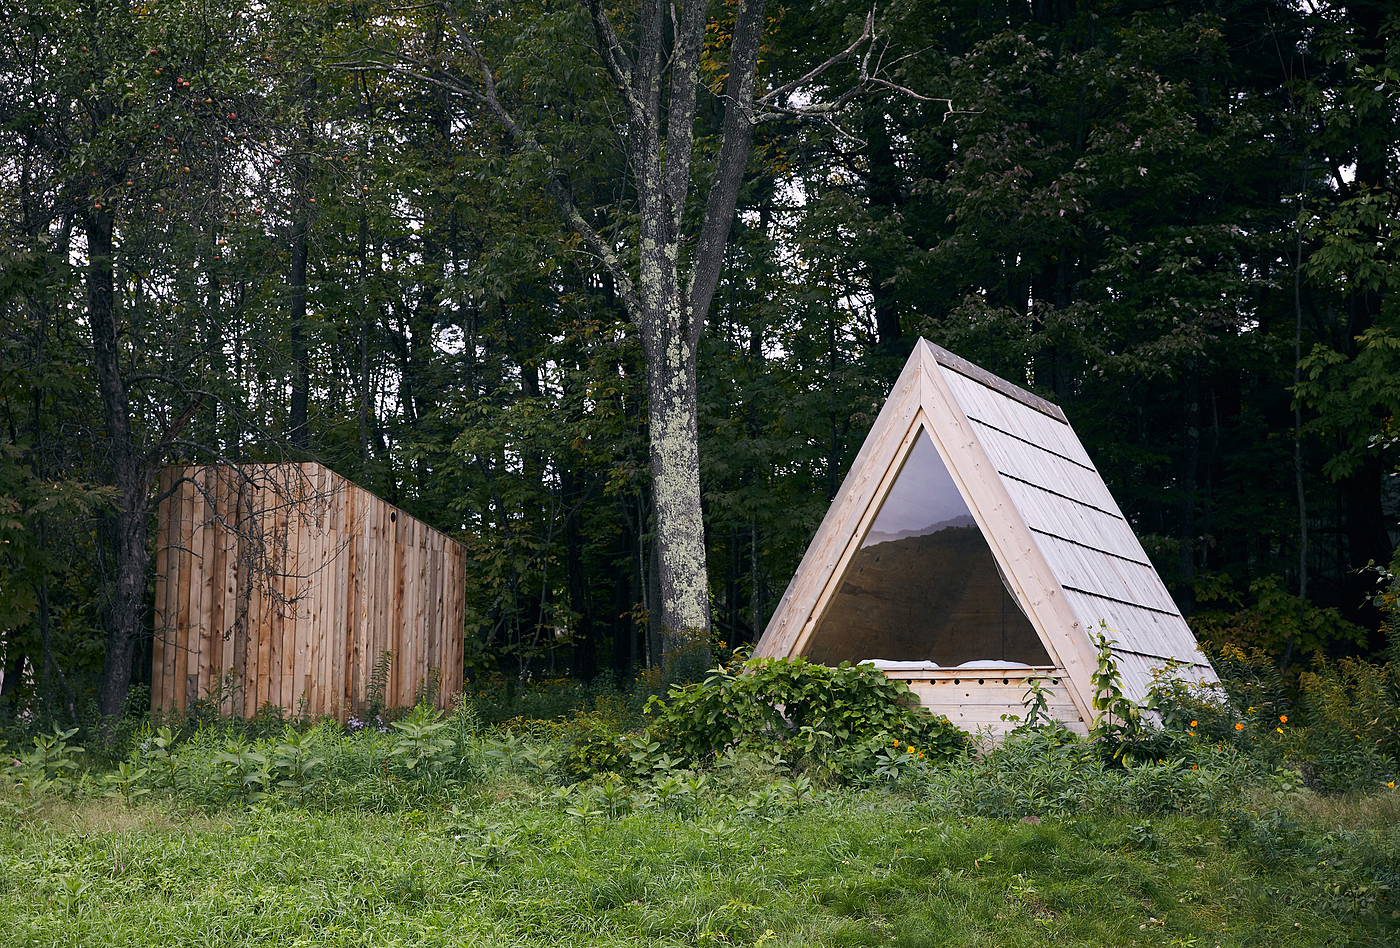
pixel 1066 556
pixel 923 582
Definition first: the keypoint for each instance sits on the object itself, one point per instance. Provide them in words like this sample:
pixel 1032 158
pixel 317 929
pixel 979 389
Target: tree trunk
pixel 1186 505
pixel 301 356
pixel 131 551
pixel 680 529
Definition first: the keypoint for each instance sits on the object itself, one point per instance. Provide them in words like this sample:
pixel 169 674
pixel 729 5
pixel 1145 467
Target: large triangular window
pixel 924 585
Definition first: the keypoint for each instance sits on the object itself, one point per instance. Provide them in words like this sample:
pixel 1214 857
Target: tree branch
pixel 680 137
pixel 767 100
pixel 737 133
pixel 615 59
pixel 167 438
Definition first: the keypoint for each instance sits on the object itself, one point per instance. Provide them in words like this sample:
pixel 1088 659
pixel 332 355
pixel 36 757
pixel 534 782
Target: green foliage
pixel 127 782
pixel 378 686
pixel 1336 733
pixel 48 766
pixel 1387 600
pixel 1354 388
pixel 1271 619
pixel 419 745
pixel 1051 772
pixel 247 774
pixel 837 716
pixel 1119 722
pixel 296 759
pixel 772 863
pixel 1351 737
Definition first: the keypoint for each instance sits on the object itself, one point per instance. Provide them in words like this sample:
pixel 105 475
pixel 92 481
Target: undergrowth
pixel 775 803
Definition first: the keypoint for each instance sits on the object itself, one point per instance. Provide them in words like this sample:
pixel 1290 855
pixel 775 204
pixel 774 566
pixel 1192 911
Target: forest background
pixel 277 231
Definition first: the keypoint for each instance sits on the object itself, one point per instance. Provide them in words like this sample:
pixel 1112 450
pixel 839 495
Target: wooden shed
pixel 287 584
pixel 973 546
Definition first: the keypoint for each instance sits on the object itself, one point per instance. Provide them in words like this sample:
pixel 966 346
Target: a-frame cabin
pixel 973 546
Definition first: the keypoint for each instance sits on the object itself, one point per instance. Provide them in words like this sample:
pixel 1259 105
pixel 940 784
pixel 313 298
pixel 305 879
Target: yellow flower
pixel 1239 727
pixel 1391 785
pixel 909 749
pixel 1279 729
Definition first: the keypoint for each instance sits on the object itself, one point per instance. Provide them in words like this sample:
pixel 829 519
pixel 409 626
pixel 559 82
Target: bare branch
pixel 767 100
pixel 167 437
pixel 903 90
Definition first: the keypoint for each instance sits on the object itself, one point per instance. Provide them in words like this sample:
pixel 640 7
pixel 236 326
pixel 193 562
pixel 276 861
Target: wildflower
pixel 921 757
pixel 1279 729
pixel 1192 733
pixel 909 749
pixel 1193 723
pixel 1193 766
pixel 1239 727
pixel 1391 785
pixel 1283 718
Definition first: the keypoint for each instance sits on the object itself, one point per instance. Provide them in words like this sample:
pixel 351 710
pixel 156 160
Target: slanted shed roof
pixel 897 566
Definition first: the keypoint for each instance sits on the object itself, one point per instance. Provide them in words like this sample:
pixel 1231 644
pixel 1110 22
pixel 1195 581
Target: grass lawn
pixel 508 866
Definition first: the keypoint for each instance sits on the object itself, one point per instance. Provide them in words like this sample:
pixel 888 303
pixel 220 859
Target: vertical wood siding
pixel 290 583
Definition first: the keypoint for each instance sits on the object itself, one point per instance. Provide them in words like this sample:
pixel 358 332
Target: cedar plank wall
pixel 350 576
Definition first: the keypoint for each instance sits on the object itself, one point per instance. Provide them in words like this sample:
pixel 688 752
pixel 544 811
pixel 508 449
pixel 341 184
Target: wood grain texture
pixel 296 581
pixel 976 700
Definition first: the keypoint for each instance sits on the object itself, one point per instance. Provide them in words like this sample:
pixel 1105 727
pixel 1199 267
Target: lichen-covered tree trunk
pixel 675 472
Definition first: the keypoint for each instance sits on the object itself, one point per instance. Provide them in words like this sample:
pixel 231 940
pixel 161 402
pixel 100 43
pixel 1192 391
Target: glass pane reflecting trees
pixel 924 584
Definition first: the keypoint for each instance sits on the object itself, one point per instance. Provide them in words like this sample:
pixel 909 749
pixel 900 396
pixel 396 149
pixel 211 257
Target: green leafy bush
pixel 840 717
pixel 1351 740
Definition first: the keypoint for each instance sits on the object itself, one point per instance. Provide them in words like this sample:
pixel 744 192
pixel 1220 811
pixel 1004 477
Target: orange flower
pixel 1239 727
pixel 1283 718
pixel 1193 723
pixel 1193 766
pixel 1192 733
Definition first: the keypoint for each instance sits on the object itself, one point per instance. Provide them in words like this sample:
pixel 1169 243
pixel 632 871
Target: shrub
pixel 842 717
pixel 1352 737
